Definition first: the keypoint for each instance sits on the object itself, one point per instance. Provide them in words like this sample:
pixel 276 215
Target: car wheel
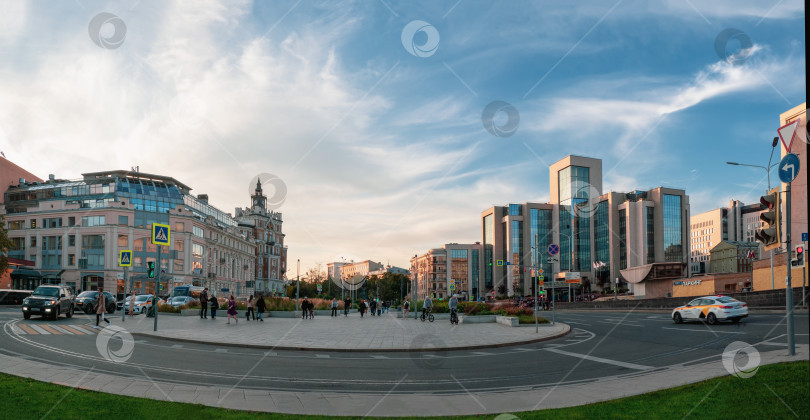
pixel 69 313
pixel 56 314
pixel 27 316
pixel 711 319
pixel 677 318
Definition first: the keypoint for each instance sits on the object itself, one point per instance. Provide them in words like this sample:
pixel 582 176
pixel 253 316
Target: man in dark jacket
pixel 305 308
pixel 260 307
pixel 347 304
pixel 204 304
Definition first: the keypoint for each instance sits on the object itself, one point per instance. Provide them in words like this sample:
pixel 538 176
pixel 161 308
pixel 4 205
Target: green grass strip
pixel 775 391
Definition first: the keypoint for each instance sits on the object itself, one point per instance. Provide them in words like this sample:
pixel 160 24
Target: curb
pixel 566 330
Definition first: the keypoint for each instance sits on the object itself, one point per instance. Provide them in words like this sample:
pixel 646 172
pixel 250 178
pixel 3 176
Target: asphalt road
pixel 601 344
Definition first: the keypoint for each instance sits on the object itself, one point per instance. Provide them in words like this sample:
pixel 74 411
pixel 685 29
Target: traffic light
pixel 799 260
pixel 770 235
pixel 490 262
pixel 150 269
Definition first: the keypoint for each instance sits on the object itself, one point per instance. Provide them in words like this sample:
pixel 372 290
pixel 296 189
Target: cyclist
pixel 427 306
pixel 453 305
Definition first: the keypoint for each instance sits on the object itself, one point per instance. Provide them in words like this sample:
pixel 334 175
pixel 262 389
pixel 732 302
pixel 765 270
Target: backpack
pixel 407 305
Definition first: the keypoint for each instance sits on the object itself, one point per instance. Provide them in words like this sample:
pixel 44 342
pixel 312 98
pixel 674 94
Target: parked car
pixel 49 301
pixel 143 303
pixel 179 301
pixel 87 301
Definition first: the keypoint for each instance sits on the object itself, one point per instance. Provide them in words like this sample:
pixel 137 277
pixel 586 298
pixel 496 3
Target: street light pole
pixel 297 284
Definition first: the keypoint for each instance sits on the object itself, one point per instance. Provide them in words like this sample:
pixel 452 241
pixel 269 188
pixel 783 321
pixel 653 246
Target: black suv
pixel 49 301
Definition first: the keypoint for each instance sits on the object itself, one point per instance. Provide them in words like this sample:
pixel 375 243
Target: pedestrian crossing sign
pixel 125 258
pixel 161 234
pixel 500 263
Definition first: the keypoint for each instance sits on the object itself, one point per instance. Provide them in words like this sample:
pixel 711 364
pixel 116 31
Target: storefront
pixel 25 279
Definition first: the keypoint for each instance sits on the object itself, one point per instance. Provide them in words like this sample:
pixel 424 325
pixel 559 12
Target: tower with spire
pixel 258 198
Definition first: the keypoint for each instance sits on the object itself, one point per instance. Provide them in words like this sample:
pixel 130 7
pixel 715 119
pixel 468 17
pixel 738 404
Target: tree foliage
pixel 5 244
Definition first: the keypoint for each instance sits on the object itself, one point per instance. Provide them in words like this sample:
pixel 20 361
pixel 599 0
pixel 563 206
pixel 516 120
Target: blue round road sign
pixel 788 168
pixel 553 249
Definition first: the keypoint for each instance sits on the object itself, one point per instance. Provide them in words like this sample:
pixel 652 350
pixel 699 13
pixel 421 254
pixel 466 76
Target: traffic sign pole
pixel 788 287
pixel 123 307
pixel 156 305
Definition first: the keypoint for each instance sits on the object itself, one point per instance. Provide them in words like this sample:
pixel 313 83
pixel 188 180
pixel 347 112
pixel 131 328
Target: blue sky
pixel 384 153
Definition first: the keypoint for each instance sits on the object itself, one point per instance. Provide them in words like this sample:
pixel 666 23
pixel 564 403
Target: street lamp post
pixel 297 284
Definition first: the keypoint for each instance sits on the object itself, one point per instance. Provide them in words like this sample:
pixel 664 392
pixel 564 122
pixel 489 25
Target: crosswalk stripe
pixel 17 330
pixel 61 329
pixel 74 330
pixel 40 330
pixel 27 329
pixel 88 328
pixel 52 330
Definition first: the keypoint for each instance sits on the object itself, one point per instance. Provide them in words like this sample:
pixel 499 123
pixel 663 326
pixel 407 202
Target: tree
pixel 5 245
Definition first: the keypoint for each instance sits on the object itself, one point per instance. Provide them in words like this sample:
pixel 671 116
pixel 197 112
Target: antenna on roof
pixel 135 168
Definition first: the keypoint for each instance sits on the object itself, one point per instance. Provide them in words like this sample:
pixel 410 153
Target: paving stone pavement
pixel 352 333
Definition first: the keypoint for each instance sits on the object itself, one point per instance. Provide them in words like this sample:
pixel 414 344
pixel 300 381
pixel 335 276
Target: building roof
pixel 140 175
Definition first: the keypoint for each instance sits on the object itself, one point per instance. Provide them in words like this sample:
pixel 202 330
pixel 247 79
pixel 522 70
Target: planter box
pixel 475 319
pixel 509 321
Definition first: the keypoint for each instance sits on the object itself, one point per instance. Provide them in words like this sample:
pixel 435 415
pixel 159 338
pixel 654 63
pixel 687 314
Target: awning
pixel 21 273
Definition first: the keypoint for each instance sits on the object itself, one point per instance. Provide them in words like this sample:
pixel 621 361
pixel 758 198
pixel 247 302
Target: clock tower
pixel 258 198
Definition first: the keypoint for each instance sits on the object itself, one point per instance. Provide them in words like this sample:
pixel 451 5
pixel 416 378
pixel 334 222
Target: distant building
pixel 639 237
pixel 333 270
pixel 362 268
pixel 264 228
pixel 737 223
pixel 73 231
pixel 798 187
pixel 389 269
pixel 452 269
pixel 733 257
pixel 12 175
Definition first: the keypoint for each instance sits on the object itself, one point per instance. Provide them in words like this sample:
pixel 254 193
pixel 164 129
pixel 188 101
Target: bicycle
pixel 453 317
pixel 426 315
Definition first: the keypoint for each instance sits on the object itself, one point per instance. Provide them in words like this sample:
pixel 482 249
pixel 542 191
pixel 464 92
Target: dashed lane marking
pixel 322 356
pixel 177 346
pixel 376 356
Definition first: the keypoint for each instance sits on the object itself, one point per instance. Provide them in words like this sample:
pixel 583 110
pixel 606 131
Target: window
pixel 198 231
pixel 123 241
pixel 93 242
pixel 515 210
pixel 50 243
pixel 71 240
pixel 95 260
pixel 71 221
pixel 33 242
pixel 53 222
pixel 622 239
pixel 33 223
pixel 180 227
pixel 672 228
pixel 178 266
pixel 123 220
pixel 650 235
pixel 72 259
pixel 93 221
pixel 16 225
pixel 179 246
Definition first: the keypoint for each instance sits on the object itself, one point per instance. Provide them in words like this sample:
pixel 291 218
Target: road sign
pixel 787 132
pixel 452 286
pixel 541 278
pixel 572 275
pixel 161 234
pixel 804 236
pixel 788 168
pixel 320 287
pixel 125 258
pixel 553 249
pixel 541 271
pixel 507 263
pixel 573 281
pixel 500 263
pixel 540 283
pixel 552 260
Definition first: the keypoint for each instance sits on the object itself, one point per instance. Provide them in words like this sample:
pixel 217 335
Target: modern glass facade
pixel 489 242
pixel 516 255
pixel 650 218
pixel 475 272
pixel 673 238
pixel 540 225
pixel 574 188
pixel 622 239
pixel 601 225
pixel 515 210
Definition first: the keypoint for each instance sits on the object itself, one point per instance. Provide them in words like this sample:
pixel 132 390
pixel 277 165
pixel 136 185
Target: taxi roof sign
pixel 161 234
pixel 125 258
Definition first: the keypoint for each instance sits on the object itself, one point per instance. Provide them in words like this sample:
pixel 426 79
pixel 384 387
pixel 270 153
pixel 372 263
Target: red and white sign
pixel 787 132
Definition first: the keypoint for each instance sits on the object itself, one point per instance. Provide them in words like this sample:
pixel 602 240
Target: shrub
pixel 529 319
pixel 168 308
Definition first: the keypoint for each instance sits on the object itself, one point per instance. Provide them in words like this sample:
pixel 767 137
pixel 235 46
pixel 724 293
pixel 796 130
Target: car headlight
pixel 53 302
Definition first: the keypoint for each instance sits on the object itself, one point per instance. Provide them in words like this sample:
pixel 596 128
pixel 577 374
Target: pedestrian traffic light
pixel 490 262
pixel 799 260
pixel 150 269
pixel 770 234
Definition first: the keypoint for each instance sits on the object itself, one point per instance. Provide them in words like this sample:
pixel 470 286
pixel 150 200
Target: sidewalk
pixel 384 404
pixel 352 333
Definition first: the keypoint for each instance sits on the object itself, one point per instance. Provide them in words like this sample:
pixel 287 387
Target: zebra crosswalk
pixel 53 329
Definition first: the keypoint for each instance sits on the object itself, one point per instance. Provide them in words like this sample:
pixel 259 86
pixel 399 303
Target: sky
pixel 387 127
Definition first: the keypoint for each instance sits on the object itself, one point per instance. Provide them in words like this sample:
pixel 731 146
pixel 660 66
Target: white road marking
pixel 768 343
pixel 60 329
pixel 177 346
pixel 578 323
pixel 433 356
pixel 481 353
pixel 39 329
pixel 220 350
pixel 322 356
pixel 692 329
pixel 600 360
pixel 378 356
pixel 270 353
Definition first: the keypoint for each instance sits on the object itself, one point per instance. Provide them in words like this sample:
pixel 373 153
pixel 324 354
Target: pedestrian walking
pixel 101 307
pixel 260 307
pixel 249 311
pixel 405 307
pixel 204 304
pixel 214 306
pixel 347 304
pixel 362 307
pixel 131 303
pixel 232 310
pixel 334 306
pixel 305 308
pixel 379 308
pixel 373 307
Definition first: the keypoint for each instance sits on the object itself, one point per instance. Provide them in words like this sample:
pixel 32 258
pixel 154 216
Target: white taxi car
pixel 711 309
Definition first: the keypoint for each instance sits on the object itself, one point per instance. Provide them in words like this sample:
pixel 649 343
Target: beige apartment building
pixel 452 269
pixel 798 187
pixel 361 268
pixel 736 223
